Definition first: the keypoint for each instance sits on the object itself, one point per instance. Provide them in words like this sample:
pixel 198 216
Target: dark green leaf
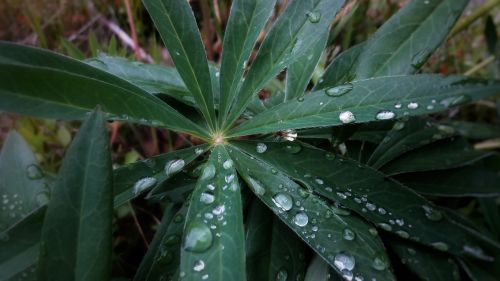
pixel 346 242
pixel 380 200
pixel 134 179
pixel 476 273
pixel 44 84
pixel 474 130
pixel 370 100
pixel 258 237
pixel 491 212
pixel 318 270
pixel 76 235
pixel 177 26
pixel 23 185
pixel 246 20
pixel 213 242
pixel 299 25
pixel 403 44
pixel 175 189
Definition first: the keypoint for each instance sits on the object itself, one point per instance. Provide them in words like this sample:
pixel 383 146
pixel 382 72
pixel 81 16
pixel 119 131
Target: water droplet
pixel 144 184
pixel 385 226
pixel 282 275
pixel 314 17
pixel 228 164
pixel 174 166
pixel 347 117
pixel 432 214
pixel 42 198
pixel 207 198
pixel 34 172
pixel 371 206
pixel 293 147
pixel 440 246
pixel 385 115
pixel 289 135
pixel 403 234
pixel 348 234
pixel 300 99
pixel 343 261
pixel 199 151
pixel 398 126
pixel 373 231
pixel 219 210
pixel 412 105
pixel 301 219
pixel 382 211
pixel 283 201
pixel 274 171
pixel 319 181
pixel 339 90
pixel 229 178
pixel 330 156
pixel 256 186
pixel 430 107
pixel 208 172
pixel 379 262
pixel 261 147
pixel 199 265
pixel 198 237
pixel 398 105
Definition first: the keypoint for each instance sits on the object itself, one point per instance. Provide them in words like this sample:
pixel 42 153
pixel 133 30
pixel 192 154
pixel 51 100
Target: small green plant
pixel 341 181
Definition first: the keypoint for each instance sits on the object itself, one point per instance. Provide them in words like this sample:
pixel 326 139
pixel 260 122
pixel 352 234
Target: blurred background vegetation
pixel 84 29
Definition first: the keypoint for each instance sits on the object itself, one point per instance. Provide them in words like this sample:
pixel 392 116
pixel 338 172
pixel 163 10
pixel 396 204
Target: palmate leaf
pixel 76 234
pixel 246 20
pixel 44 84
pixel 346 242
pixel 213 242
pixel 369 100
pixel 369 193
pixel 289 38
pixel 177 26
pixel 136 178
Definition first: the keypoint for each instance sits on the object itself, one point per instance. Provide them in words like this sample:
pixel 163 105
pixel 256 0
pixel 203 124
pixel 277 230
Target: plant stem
pixel 478 13
pixel 480 65
pixel 138 225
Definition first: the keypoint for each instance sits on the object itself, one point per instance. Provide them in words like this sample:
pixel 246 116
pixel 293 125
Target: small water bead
pixel 348 234
pixel 385 115
pixel 431 213
pixel 283 201
pixel 379 262
pixel 293 147
pixel 229 178
pixel 204 277
pixel 198 237
pixel 282 275
pixel 301 219
pixel 440 246
pixel 34 172
pixel 398 126
pixel 261 147
pixel 319 181
pixel 314 17
pixel 289 135
pixel 347 274
pixel 347 117
pixel 208 172
pixel 400 222
pixel 174 166
pixel 403 234
pixel 398 106
pixel 256 186
pixel 199 265
pixel 207 198
pixel 199 151
pixel 430 107
pixel 339 90
pixel 373 231
pixel 219 210
pixel 228 164
pixel 344 261
pixel 382 211
pixel 144 184
pixel 211 186
pixel 412 105
pixel 371 206
pixel 274 171
pixel 300 99
pixel 385 226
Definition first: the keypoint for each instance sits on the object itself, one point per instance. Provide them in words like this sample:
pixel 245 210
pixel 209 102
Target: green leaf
pixel 20 245
pixel 76 235
pixel 23 185
pixel 318 270
pixel 443 155
pixel 177 26
pixel 258 238
pixel 403 44
pixel 152 78
pixel 175 190
pixel 44 84
pixel 213 242
pixel 134 179
pixel 491 211
pixel 473 130
pixel 288 39
pixel 163 251
pixel 473 181
pixel 72 50
pixel 427 264
pixel 345 241
pixel 246 20
pixel 373 196
pixel 370 100
pixel 477 273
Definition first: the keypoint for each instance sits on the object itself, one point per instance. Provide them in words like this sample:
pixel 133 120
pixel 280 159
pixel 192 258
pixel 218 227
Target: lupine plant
pixel 335 179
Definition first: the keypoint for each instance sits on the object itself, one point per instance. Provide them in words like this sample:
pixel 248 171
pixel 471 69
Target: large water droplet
pixel 208 172
pixel 339 90
pixel 283 201
pixel 412 105
pixel 174 166
pixel 219 210
pixel 293 147
pixel 198 237
pixel 228 164
pixel 440 246
pixel 199 265
pixel 314 17
pixel 432 214
pixel 207 198
pixel 385 115
pixel 348 234
pixel 144 184
pixel 282 275
pixel 34 172
pixel 347 117
pixel 301 219
pixel 344 261
pixel 256 186
pixel 261 147
pixel 379 262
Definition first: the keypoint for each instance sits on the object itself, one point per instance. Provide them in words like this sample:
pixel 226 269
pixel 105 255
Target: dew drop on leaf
pixel 385 226
pixel 412 105
pixel 440 246
pixel 208 172
pixel 198 151
pixel 207 198
pixel 403 234
pixel 199 265
pixel 339 90
pixel 431 213
pixel 344 261
pixel 371 207
pixel 34 172
pixel 283 201
pixel 348 234
pixel 174 166
pixel 282 275
pixel 347 117
pixel 314 17
pixel 261 147
pixel 301 219
pixel 198 237
pixel 379 262
pixel 293 147
pixel 256 186
pixel 300 99
pixel 385 115
pixel 144 184
pixel 228 164
pixel 398 105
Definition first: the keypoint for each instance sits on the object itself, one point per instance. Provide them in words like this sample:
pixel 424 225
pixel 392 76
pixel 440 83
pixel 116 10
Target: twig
pixel 480 65
pixel 488 144
pixel 82 29
pixel 138 225
pixel 478 13
pixel 131 23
